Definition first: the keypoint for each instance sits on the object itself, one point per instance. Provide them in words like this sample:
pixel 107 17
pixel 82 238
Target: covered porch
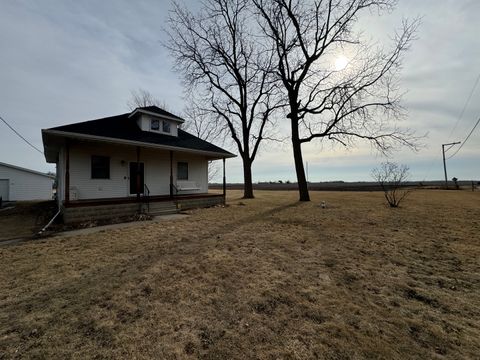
pixel 91 172
pixel 138 180
pixel 151 175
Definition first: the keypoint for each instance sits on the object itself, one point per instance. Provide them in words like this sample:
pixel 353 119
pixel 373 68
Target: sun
pixel 341 63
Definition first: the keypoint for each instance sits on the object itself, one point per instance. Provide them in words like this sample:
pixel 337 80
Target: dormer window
pixel 156 120
pixel 165 126
pixel 155 124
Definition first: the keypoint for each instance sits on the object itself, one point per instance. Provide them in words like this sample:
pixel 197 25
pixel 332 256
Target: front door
pixel 137 169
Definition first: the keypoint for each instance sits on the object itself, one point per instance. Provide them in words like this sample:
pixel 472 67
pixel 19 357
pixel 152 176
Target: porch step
pixel 162 208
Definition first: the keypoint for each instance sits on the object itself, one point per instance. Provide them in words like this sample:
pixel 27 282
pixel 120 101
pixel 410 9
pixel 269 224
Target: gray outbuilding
pixel 20 184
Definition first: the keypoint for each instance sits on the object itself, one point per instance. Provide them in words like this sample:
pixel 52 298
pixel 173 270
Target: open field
pixel 350 185
pixel 268 278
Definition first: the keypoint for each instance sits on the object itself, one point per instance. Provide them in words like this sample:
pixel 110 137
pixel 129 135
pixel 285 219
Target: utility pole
pixel 450 145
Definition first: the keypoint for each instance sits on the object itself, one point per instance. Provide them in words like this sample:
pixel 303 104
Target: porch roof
pixel 123 129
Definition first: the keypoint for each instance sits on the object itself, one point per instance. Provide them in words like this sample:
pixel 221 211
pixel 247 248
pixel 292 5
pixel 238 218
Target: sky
pixel 69 61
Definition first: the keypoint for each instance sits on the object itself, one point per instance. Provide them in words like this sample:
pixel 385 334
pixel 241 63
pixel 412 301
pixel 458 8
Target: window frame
pixel 166 125
pixel 93 168
pixel 157 121
pixel 178 169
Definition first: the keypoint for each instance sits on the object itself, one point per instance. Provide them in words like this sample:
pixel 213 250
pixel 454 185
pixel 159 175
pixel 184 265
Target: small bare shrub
pixel 455 181
pixel 392 177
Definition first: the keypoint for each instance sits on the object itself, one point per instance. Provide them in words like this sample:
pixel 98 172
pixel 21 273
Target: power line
pixel 465 105
pixel 458 121
pixel 464 141
pixel 16 132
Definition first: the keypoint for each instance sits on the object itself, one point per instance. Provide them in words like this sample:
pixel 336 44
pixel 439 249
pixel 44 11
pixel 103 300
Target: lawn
pixel 269 278
pixel 25 219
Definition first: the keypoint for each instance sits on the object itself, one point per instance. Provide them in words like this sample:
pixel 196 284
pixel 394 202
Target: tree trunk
pixel 247 179
pixel 297 155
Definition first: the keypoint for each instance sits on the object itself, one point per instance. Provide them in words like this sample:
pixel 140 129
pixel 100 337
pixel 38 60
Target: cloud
pixel 69 61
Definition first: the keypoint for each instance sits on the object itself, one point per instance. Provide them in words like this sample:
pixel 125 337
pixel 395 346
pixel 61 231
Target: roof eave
pixel 210 154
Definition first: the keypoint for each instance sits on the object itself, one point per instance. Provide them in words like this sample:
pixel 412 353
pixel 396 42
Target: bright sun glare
pixel 341 63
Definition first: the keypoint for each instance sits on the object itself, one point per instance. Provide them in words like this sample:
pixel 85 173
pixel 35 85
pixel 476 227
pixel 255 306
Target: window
pixel 166 126
pixel 100 167
pixel 182 171
pixel 154 124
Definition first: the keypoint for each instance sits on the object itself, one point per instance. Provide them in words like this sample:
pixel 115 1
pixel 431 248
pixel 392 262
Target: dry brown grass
pixel 25 219
pixel 268 278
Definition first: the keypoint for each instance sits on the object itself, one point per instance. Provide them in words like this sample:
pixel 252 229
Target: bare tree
pixel 217 53
pixel 143 98
pixel 201 124
pixel 392 178
pixel 357 99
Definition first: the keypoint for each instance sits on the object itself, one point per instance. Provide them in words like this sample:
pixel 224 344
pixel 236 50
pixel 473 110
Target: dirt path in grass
pixel 268 278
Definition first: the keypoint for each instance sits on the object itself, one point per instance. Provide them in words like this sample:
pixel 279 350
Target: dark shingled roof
pixel 124 128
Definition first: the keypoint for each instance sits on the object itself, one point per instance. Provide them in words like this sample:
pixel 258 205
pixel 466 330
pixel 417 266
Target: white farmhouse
pixel 129 163
pixel 19 184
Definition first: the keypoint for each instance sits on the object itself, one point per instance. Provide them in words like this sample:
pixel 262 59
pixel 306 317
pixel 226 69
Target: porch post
pixel 171 173
pixel 224 183
pixel 138 173
pixel 67 171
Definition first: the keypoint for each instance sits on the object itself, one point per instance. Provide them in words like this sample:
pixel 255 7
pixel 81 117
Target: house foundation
pixel 83 211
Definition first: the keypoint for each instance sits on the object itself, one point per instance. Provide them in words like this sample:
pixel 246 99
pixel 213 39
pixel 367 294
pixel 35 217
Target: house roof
pixel 27 170
pixel 124 129
pixel 155 110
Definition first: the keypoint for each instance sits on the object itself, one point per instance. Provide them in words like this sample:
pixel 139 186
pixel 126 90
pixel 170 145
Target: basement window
pixel 182 171
pixel 100 167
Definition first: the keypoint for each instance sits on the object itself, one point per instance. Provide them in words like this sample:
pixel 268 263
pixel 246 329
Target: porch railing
pixel 146 196
pixel 174 189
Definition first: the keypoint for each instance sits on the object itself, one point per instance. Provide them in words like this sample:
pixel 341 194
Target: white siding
pixel 157 170
pixel 197 171
pixel 25 185
pixel 143 122
pixel 81 182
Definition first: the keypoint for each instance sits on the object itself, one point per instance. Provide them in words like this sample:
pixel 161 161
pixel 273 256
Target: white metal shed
pixel 20 184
